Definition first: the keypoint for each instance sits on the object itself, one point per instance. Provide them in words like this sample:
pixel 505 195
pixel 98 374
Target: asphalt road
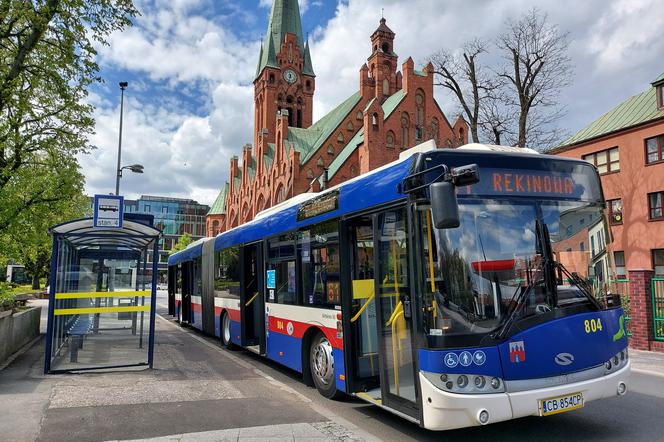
pixel 637 416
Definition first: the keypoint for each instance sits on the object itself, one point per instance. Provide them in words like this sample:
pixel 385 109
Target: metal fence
pixel 621 286
pixel 657 291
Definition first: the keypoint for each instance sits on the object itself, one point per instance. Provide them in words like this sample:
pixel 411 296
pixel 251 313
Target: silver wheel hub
pixel 227 329
pixel 322 363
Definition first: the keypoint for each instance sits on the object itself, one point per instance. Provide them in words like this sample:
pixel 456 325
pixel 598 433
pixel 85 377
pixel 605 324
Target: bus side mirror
pixel 444 205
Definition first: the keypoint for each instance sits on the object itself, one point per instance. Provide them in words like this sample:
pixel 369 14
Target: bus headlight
pixel 462 383
pixel 616 362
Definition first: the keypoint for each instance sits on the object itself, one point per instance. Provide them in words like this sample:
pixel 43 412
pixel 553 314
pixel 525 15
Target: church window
pixel 289 99
pixel 374 119
pixel 353 171
pixel 340 138
pixel 320 162
pixel 405 126
pixel 308 85
pixel 419 103
pixel 330 149
pixel 435 128
pixel 310 174
pixel 350 127
pixel 386 47
pixel 460 135
pixel 386 87
pixel 358 115
pixel 389 139
pixel 271 78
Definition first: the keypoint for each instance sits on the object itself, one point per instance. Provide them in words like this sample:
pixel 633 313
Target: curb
pixel 647 372
pixel 20 351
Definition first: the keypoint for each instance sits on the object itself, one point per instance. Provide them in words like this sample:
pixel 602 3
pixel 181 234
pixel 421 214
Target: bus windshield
pixel 476 274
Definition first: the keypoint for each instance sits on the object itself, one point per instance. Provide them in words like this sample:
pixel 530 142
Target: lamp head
pixel 136 168
pixel 123 85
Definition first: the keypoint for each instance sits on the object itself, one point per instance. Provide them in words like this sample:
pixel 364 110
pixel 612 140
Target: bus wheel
pixel 226 331
pixel 321 364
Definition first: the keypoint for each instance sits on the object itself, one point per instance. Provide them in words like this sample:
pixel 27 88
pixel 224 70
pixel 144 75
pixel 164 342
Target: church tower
pixel 285 80
pixel 383 61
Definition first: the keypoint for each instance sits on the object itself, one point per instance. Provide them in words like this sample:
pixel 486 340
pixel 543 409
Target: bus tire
pixel 321 365
pixel 225 331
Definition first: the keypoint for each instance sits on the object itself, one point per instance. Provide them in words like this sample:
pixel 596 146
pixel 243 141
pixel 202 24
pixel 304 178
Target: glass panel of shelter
pixel 91 281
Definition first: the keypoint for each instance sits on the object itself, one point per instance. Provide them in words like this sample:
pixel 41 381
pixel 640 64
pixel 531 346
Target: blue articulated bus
pixel 453 287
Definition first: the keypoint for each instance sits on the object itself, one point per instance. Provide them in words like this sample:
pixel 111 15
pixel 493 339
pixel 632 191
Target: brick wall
pixel 640 300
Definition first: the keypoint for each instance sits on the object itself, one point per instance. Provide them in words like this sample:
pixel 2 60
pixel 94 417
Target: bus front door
pixel 252 306
pixel 381 356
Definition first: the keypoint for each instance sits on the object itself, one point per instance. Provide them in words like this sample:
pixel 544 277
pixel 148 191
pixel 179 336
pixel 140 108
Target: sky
pixel 190 65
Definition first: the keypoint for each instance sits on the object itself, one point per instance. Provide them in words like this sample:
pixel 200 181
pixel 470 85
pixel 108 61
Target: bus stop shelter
pixel 102 295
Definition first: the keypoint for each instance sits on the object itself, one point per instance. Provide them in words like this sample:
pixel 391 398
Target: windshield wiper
pixel 518 303
pixel 580 283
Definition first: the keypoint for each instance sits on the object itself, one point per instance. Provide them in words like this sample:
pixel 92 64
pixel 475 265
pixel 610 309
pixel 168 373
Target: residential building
pixel 627 146
pixel 390 111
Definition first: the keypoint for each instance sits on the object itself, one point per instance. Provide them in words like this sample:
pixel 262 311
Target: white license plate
pixel 560 404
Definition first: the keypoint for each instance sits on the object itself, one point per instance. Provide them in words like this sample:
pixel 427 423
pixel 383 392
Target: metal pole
pixel 153 302
pixel 51 305
pixel 118 174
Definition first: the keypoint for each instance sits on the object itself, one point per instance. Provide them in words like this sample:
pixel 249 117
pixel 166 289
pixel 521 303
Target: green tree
pixel 47 64
pixel 182 243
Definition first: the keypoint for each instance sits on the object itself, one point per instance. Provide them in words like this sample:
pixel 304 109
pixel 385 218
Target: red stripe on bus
pixel 280 325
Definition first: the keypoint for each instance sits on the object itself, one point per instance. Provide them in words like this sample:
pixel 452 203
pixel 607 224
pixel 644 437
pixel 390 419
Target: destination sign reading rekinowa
pixel 533 183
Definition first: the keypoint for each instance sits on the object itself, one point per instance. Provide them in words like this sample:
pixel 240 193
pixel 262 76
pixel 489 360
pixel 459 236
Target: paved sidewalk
pixel 647 361
pixel 197 391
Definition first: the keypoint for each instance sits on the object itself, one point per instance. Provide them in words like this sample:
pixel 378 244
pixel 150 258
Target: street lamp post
pixel 123 86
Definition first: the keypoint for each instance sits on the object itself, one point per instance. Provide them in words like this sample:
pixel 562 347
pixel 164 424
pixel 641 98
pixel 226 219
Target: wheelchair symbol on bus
pixel 451 360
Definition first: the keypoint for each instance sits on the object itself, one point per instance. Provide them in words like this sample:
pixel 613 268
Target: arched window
pixel 389 139
pixel 310 174
pixel 405 132
pixel 386 47
pixel 271 78
pixel 281 194
pixel 419 104
pixel 349 127
pixel 215 227
pixel 330 149
pixel 374 120
pixel 320 162
pixel 386 87
pixel 308 85
pixel 359 116
pixel 353 171
pixel 460 135
pixel 435 128
pixel 340 138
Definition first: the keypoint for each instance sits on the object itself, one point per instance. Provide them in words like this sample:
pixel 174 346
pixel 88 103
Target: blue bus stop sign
pixel 108 211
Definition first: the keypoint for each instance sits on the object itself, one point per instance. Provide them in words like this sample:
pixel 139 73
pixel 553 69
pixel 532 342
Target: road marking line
pixel 323 411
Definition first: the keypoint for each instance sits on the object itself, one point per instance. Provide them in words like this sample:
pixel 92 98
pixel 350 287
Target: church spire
pixel 284 18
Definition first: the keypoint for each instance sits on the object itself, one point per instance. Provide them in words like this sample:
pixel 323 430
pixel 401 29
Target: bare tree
pixel 538 68
pixel 461 74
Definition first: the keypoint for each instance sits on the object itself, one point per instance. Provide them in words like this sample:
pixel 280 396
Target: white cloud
pixel 178 46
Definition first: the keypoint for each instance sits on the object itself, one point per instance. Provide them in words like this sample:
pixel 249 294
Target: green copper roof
pixel 658 80
pixel 346 152
pixel 219 205
pixel 636 110
pixel 388 106
pixel 268 157
pixel 308 141
pixel 284 17
pixel 308 68
pixel 392 102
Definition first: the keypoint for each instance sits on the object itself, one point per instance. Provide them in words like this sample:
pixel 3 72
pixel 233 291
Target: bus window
pixel 318 249
pixel 281 261
pixel 227 273
pixel 198 277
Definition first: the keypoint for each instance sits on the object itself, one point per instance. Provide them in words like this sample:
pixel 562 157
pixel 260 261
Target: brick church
pixel 392 111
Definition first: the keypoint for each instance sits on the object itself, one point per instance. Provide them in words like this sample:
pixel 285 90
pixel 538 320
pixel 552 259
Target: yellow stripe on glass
pixel 83 295
pixel 94 310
